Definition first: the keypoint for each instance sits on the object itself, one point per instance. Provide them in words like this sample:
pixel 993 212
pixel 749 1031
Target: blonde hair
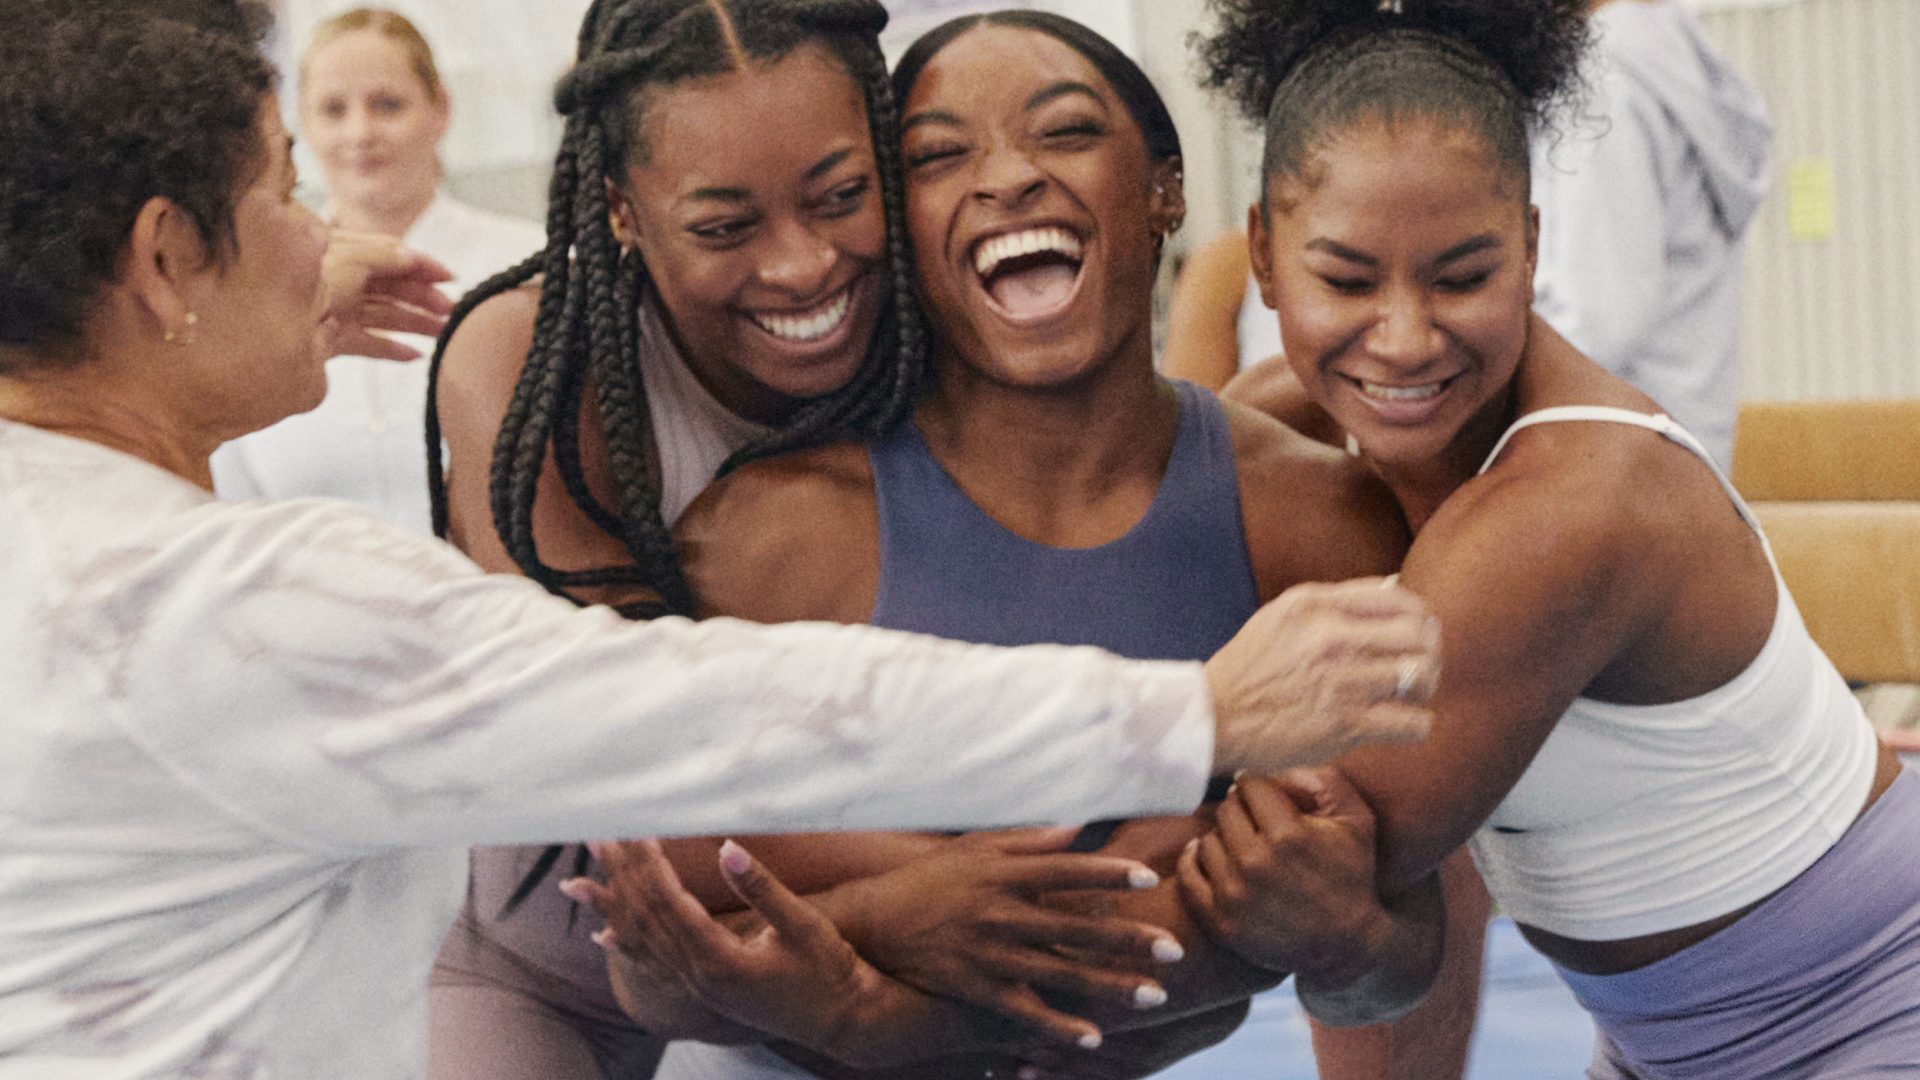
pixel 391 25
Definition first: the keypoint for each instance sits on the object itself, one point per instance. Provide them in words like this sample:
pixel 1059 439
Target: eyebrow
pixel 1062 89
pixel 1041 97
pixel 739 195
pixel 931 116
pixel 829 163
pixel 1458 251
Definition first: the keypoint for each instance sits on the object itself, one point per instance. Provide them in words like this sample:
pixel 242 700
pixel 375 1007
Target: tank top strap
pixel 1659 423
pixel 1201 472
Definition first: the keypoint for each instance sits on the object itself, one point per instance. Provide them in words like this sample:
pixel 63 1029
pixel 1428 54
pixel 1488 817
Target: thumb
pixel 1328 791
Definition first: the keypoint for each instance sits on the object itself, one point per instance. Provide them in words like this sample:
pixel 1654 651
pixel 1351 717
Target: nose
pixel 799 261
pixel 1404 334
pixel 1008 178
pixel 357 125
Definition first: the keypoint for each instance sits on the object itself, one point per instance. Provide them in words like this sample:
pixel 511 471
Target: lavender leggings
pixel 1820 981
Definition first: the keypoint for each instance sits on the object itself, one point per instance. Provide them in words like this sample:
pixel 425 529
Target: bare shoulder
pixel 1271 388
pixel 789 538
pixel 1574 520
pixel 488 350
pixel 1312 513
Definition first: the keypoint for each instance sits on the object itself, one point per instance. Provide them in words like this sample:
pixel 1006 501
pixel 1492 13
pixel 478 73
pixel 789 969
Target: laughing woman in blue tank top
pixel 1662 778
pixel 1049 488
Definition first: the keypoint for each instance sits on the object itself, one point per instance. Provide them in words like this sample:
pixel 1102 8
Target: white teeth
pixel 822 321
pixel 1401 393
pixel 988 256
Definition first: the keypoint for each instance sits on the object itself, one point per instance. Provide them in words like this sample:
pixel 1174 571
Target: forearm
pixel 1388 970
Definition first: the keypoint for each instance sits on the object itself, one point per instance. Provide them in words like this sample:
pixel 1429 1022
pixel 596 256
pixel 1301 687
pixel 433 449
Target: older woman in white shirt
pixel 375 110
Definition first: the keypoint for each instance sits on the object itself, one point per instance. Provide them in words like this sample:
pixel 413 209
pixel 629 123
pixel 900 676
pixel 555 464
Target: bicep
pixel 1526 626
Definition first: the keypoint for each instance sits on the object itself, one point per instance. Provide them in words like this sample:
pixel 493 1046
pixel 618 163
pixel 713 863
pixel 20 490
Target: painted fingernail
pixel 734 858
pixel 574 889
pixel 1091 1041
pixel 1149 996
pixel 604 937
pixel 1168 951
pixel 1142 878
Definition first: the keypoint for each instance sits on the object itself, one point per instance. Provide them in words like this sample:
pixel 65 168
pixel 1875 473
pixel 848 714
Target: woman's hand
pixel 1321 670
pixel 377 285
pixel 1287 881
pixel 968 922
pixel 1286 878
pixel 795 978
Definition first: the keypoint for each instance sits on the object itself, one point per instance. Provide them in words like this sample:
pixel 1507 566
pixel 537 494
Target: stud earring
pixel 185 335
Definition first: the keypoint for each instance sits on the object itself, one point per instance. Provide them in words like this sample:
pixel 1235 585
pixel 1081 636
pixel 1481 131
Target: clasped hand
pixel 967 922
pixel 1286 879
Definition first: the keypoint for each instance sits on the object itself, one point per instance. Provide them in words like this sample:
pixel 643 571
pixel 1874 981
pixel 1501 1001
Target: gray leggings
pixel 491 1016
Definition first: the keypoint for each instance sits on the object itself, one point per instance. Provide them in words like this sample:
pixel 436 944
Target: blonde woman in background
pixel 374 109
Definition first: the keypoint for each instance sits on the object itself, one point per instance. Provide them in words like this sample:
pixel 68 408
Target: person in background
pixel 372 105
pixel 1218 326
pixel 1645 207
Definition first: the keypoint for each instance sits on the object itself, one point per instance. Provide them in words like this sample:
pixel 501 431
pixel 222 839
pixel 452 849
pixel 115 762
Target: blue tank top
pixel 1176 587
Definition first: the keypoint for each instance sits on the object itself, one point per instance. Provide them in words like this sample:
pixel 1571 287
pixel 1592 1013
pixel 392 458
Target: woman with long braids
pixel 1661 777
pixel 726 275
pixel 719 276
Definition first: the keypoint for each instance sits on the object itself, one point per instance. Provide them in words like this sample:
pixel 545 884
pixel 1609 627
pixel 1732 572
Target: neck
pixel 85 401
pixel 1051 462
pixel 394 215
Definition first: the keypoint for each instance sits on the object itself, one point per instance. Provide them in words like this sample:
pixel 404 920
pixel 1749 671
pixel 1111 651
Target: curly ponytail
pixel 1305 69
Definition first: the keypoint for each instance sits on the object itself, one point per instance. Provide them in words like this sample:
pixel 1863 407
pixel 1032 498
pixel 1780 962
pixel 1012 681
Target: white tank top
pixel 692 432
pixel 1634 820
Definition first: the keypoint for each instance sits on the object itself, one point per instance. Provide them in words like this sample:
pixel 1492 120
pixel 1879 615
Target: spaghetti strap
pixel 1660 423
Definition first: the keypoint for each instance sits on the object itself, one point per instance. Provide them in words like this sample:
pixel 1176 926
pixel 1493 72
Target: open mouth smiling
pixel 808 326
pixel 1030 274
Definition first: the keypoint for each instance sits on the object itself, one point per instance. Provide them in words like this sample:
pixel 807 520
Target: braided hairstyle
pixel 587 325
pixel 1309 69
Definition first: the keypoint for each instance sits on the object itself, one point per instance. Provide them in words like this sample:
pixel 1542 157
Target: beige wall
pixel 1834 316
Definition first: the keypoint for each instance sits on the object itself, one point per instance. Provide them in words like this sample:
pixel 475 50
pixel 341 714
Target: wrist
pixel 1348 957
pixel 1228 752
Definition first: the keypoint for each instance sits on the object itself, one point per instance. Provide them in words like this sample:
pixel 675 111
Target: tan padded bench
pixel 1836 484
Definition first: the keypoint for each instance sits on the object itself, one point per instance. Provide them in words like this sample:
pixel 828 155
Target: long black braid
pixel 587 327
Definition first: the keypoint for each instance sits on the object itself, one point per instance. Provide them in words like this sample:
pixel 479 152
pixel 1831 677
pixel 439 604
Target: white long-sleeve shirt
pixel 243 748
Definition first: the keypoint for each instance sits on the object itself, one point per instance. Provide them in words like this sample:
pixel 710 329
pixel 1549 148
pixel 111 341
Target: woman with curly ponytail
pixel 1660 776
